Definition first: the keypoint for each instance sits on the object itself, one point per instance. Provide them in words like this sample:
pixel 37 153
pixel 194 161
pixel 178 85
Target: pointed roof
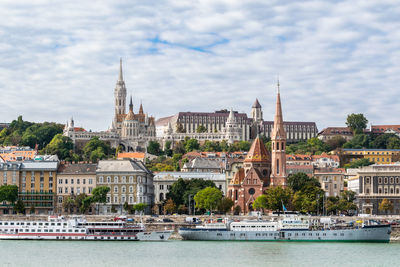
pixel 231 117
pixel 130 115
pixel 256 104
pixel 141 108
pixel 120 77
pixel 238 178
pixel 278 131
pixel 258 152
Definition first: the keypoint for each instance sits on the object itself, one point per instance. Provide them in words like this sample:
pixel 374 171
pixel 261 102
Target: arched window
pixel 380 190
pixel 115 179
pixel 101 179
pixel 391 191
pixel 131 179
pixel 131 189
pixel 123 189
pixel 397 190
pixel 124 179
pixel 236 195
pixel 115 189
pixel 108 179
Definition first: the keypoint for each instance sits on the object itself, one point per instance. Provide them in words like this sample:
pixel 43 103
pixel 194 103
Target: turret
pixel 256 111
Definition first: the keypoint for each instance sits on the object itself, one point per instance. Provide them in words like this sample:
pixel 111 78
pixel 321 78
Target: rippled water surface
pixel 191 253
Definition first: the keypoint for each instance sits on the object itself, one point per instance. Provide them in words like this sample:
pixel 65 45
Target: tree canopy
pixel 208 198
pixel 181 189
pixel 96 149
pixel 356 122
pixel 299 180
pixel 61 146
pixel 276 196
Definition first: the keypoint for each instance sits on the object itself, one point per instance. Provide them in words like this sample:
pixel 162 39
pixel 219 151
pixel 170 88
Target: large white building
pixel 228 125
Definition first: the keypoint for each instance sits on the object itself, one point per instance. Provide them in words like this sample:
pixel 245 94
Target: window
pixel 60 190
pixel 161 186
pixel 59 181
pixel 131 179
pixel 131 200
pixel 108 179
pixel 66 181
pixel 115 179
pixel 78 190
pixel 78 181
pixel 91 180
pixel 90 190
pixel 66 190
pixel 83 181
pixel 131 189
pixel 115 199
pixel 84 190
pixel 124 179
pixel 100 179
pixel 123 189
pixel 72 190
pixel 115 189
pixel 72 180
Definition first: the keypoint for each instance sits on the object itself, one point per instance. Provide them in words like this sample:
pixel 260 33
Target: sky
pixel 333 58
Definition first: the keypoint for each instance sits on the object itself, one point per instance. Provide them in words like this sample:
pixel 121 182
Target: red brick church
pixel 261 168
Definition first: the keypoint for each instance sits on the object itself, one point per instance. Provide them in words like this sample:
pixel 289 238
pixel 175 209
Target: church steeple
pixel 278 138
pixel 120 77
pixel 131 105
pixel 141 108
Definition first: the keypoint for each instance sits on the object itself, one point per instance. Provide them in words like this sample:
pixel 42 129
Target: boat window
pixel 22 223
pixel 53 224
pixel 64 230
pixel 59 224
pixel 310 234
pixel 57 230
pixel 40 223
pixel 317 234
pixel 69 230
pixel 6 223
pixel 46 230
pixel 46 224
pixel 335 234
pixel 76 231
pixel 51 230
pixel 39 230
pixel 11 223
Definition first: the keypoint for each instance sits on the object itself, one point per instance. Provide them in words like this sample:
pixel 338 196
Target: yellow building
pixel 378 156
pixel 36 181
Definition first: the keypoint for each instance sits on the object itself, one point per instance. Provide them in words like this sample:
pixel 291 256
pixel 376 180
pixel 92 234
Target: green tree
pixel 393 143
pixel 182 189
pixel 79 201
pixel 208 198
pixel 96 149
pixel 20 206
pixel 335 142
pixel 308 199
pixel 60 145
pixel 260 203
pixel 191 144
pixel 86 203
pixel 382 141
pixel 9 193
pixel 225 205
pixel 278 195
pixel 182 209
pixel 154 148
pixel 358 141
pixel 201 129
pixel 99 194
pixel 386 206
pixel 357 123
pixel 140 207
pixel 69 204
pixel 32 209
pixel 358 163
pixel 179 148
pixel 298 180
pixel 237 210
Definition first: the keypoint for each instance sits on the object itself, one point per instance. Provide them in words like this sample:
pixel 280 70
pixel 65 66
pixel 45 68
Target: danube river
pixel 192 253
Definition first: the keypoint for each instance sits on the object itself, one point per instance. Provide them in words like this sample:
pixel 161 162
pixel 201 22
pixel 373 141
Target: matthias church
pixel 129 130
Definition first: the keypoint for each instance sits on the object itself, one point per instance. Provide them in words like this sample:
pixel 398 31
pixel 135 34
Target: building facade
pixel 331 180
pixel 129 181
pixel 129 130
pixel 73 180
pixel 377 156
pixel 332 132
pixel 185 124
pixel 377 182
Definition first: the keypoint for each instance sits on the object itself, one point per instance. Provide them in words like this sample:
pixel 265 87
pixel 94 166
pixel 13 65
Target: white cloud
pixel 333 58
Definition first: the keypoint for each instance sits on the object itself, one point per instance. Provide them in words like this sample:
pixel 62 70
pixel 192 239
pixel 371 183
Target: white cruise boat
pixel 287 229
pixel 78 229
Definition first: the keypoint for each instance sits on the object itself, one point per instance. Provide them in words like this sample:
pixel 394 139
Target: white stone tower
pixel 256 112
pixel 120 99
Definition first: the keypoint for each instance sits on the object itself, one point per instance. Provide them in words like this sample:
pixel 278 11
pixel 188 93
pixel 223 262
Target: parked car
pixel 149 220
pixel 167 220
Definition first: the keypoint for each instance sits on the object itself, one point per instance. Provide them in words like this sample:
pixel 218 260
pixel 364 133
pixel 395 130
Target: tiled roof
pixel 163 121
pixel 336 130
pixel 384 128
pixel 78 168
pixel 221 113
pixel 131 155
pixel 256 104
pixel 308 123
pixel 298 157
pixel 257 152
pixel 121 166
pixel 238 178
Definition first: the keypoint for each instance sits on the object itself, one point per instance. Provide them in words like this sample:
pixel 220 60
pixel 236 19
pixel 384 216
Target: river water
pixel 196 253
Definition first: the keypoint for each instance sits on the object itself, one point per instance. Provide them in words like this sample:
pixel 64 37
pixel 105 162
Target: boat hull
pixel 379 233
pixel 141 236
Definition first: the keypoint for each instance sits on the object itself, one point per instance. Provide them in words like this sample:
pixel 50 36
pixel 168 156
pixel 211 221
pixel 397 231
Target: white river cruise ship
pixel 287 229
pixel 79 229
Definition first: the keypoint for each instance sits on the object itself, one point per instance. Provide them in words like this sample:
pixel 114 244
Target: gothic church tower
pixel 120 98
pixel 278 138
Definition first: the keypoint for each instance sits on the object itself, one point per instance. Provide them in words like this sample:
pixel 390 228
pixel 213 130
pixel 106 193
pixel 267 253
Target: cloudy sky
pixel 333 58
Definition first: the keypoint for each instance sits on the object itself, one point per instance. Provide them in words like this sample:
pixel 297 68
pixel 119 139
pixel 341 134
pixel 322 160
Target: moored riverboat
pixel 286 229
pixel 79 229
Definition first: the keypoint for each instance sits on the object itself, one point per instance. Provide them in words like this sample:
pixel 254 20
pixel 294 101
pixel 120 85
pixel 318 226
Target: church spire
pixel 120 77
pixel 278 138
pixel 141 108
pixel 131 105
